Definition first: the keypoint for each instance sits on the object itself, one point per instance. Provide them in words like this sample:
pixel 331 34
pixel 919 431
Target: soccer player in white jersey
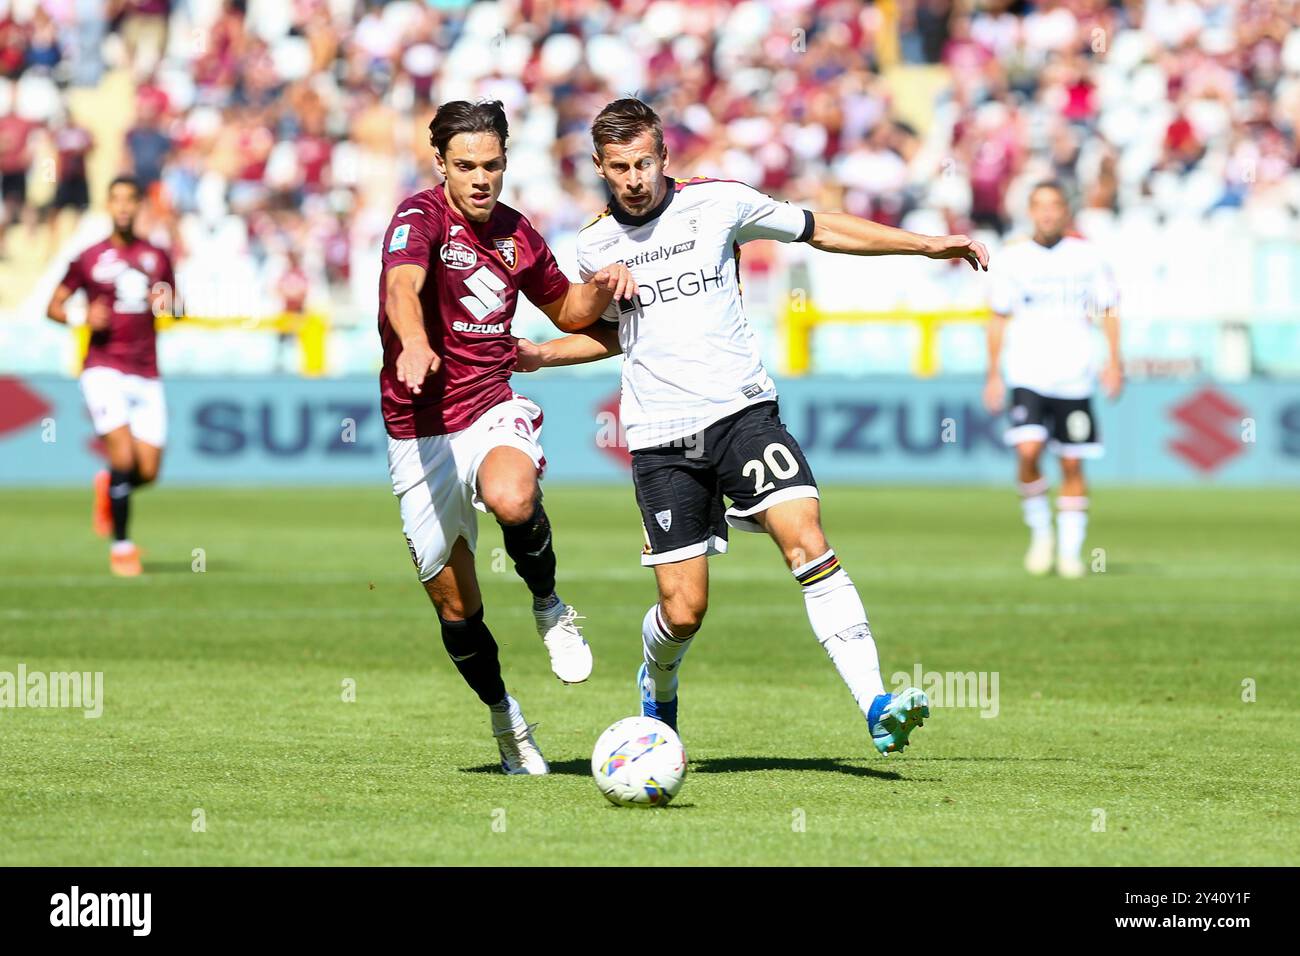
pixel 1046 296
pixel 700 410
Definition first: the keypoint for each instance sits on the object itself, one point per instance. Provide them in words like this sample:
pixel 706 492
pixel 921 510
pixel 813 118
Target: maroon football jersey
pixel 475 274
pixel 125 277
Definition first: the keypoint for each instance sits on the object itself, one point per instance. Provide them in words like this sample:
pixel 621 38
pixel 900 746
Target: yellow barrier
pixel 311 328
pixel 800 319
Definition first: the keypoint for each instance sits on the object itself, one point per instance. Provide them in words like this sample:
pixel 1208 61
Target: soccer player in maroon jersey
pixel 122 278
pixel 455 261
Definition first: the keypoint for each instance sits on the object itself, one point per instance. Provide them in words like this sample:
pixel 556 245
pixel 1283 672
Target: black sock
pixel 529 546
pixel 119 497
pixel 471 648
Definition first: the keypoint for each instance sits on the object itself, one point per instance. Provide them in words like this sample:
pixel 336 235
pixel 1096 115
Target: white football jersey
pixel 1053 297
pixel 689 356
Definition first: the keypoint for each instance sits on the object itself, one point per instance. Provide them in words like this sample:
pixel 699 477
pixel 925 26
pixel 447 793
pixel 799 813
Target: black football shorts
pixel 1067 425
pixel 749 457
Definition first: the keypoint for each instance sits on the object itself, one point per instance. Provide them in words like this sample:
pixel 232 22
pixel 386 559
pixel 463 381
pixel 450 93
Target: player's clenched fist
pixel 1112 380
pixel 616 278
pixel 416 363
pixel 995 394
pixel 528 356
pixel 99 315
pixel 960 247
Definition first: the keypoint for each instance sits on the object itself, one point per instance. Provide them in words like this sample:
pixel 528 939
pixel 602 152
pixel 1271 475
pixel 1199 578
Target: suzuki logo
pixel 610 437
pixel 1212 425
pixel 20 407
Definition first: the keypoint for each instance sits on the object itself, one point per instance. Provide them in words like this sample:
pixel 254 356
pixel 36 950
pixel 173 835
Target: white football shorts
pixel 435 478
pixel 117 398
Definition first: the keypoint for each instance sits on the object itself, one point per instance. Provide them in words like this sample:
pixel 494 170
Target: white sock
pixel 506 715
pixel 1034 506
pixel 120 547
pixel 1071 525
pixel 663 655
pixel 840 623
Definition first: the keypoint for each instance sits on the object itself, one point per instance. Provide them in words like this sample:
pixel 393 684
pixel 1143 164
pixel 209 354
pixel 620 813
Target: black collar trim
pixel 627 219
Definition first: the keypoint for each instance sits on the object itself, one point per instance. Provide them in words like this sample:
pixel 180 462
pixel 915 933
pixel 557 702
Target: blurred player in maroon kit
pixel 455 262
pixel 122 278
pixel 15 161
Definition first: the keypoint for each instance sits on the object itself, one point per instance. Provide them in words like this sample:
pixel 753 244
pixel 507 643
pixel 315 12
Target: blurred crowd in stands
pixel 281 133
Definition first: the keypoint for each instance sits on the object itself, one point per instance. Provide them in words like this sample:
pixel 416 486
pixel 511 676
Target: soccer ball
pixel 639 762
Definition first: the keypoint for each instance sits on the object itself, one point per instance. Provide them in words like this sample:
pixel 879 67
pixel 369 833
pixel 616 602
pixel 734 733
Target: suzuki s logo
pixel 20 407
pixel 1211 430
pixel 457 255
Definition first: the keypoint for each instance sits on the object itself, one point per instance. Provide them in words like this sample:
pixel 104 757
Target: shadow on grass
pixel 174 567
pixel 571 768
pixel 1148 569
pixel 918 757
pixel 582 768
pixel 819 764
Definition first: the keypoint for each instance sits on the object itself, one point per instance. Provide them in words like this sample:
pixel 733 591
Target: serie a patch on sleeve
pixel 399 237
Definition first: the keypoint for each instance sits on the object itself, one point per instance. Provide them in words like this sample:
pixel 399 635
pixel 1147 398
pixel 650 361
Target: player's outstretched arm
pixel 841 232
pixel 587 345
pixel 583 303
pixel 417 361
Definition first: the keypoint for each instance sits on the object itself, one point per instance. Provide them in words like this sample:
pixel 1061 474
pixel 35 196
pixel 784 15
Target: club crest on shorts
pixel 507 251
pixel 1078 426
pixel 665 519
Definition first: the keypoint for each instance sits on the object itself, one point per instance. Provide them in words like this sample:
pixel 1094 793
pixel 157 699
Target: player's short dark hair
pixel 623 121
pixel 1055 184
pixel 462 116
pixel 127 181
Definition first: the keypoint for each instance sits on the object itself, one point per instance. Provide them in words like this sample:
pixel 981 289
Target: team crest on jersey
pixel 665 519
pixel 456 255
pixel 149 260
pixel 507 251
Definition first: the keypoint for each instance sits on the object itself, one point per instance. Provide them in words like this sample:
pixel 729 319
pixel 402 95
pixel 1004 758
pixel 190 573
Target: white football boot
pixel 562 635
pixel 519 751
pixel 1070 566
pixel 1038 559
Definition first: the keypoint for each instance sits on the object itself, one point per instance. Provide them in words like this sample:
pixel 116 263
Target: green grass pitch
pixel 1121 737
